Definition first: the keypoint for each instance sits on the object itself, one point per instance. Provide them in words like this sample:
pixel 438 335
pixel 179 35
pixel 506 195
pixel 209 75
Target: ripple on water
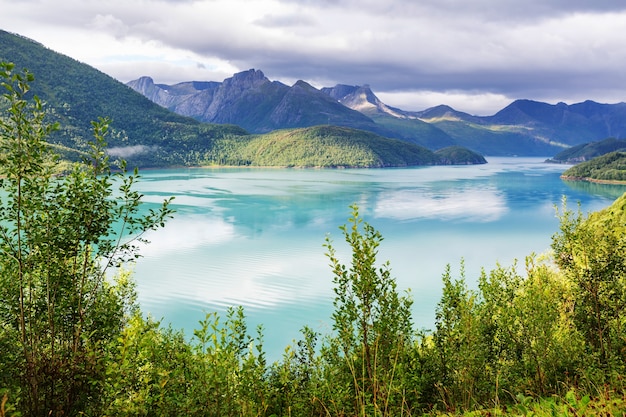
pixel 254 237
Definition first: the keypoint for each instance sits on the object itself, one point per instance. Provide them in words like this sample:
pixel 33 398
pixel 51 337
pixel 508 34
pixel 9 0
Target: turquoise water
pixel 253 237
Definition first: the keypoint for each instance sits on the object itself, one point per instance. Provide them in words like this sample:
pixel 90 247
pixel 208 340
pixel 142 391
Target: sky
pixel 474 55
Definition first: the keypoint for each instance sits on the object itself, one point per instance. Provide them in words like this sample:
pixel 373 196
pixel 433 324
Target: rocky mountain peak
pixel 146 86
pixel 143 81
pixel 340 91
pixel 362 99
pixel 305 86
pixel 141 84
pixel 246 80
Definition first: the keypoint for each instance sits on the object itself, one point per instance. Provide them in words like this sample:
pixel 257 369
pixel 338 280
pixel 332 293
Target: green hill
pixel 413 130
pixel 148 135
pixel 587 151
pixel 320 146
pixel 606 168
pixel 75 94
pixel 457 155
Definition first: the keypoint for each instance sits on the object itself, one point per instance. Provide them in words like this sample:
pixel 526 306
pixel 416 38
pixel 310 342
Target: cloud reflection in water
pixel 185 233
pixel 477 205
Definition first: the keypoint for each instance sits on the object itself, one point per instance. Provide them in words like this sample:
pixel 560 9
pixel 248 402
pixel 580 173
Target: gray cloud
pixel 283 20
pixel 549 50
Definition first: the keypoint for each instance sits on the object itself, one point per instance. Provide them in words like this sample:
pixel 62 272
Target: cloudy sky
pixel 475 55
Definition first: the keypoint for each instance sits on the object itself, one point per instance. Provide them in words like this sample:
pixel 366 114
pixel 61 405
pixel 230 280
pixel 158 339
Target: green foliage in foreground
pixel 549 340
pixel 609 167
pixel 58 238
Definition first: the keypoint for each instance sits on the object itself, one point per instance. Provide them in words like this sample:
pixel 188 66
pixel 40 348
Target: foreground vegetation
pixel 549 339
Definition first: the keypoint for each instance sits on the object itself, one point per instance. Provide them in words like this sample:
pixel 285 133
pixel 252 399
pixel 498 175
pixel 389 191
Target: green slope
pixel 606 168
pixel 587 151
pixel 457 155
pixel 615 213
pixel 75 94
pixel 500 140
pixel 414 131
pixel 321 146
pixel 146 134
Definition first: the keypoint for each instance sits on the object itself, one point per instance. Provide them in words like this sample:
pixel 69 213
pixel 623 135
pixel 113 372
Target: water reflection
pixel 612 191
pixel 254 237
pixel 477 205
pixel 187 232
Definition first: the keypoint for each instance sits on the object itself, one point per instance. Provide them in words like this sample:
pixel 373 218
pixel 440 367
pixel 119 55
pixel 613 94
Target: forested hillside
pixel 610 167
pixel 586 151
pixel 331 147
pixel 457 155
pixel 546 338
pixel 147 135
pixel 77 94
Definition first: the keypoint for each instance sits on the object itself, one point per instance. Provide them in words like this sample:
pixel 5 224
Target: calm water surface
pixel 253 237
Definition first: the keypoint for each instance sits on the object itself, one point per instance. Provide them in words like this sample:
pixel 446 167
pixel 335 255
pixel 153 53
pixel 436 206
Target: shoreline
pixel 588 179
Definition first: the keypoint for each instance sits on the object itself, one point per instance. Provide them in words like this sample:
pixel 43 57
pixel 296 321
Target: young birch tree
pixel 58 236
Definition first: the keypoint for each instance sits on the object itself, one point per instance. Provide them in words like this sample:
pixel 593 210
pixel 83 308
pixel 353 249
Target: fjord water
pixel 254 237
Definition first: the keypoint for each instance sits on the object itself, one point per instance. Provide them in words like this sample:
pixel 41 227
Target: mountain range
pixel 252 101
pixel 197 123
pixel 148 135
pixel 587 151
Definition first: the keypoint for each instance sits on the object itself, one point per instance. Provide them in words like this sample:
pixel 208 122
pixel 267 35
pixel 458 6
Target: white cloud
pixel 480 50
pixel 109 23
pixel 188 233
pixel 478 205
pixel 479 104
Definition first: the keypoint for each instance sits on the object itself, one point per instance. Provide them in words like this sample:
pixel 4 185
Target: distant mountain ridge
pixel 148 135
pixel 587 151
pixel 524 127
pixel 250 100
pixel 570 124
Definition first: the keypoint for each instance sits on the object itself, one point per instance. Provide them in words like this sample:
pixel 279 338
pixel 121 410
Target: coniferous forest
pixel 545 337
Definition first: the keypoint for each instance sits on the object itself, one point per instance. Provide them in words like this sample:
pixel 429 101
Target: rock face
pixel 570 124
pixel 252 101
pixel 184 98
pixel 237 94
pixel 362 99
